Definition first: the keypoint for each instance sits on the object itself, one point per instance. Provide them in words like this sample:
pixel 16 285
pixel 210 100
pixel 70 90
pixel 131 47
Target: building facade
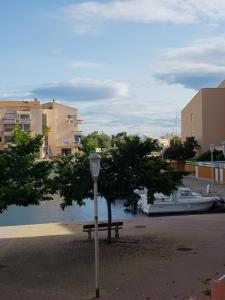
pixel 203 117
pixel 32 116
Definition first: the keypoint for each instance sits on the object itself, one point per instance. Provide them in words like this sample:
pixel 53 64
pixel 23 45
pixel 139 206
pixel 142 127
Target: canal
pixel 50 212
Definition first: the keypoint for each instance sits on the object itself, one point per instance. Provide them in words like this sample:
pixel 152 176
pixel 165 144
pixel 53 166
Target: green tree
pixel 125 168
pixel 118 138
pixel 24 180
pixel 181 151
pixel 102 139
pixel 206 156
pixel 88 144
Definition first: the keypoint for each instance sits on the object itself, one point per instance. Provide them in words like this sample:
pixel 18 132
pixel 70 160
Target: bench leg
pixel 89 234
pixel 117 233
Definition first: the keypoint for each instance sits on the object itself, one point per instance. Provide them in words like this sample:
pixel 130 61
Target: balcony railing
pixel 15 121
pixel 75 121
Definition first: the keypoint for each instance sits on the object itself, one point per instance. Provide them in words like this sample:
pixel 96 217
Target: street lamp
pixel 94 160
pixel 212 148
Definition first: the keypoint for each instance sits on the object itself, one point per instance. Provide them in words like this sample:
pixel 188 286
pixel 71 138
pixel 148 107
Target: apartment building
pixel 203 117
pixel 32 116
pixel 64 135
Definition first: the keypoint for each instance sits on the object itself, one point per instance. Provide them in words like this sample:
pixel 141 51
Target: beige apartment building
pixel 203 117
pixel 32 116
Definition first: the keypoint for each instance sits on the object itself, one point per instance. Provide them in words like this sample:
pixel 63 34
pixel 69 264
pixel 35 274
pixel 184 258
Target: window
pixel 24 116
pixel 185 193
pixel 9 127
pixel 8 139
pixel 71 117
pixel 0 139
pixel 44 119
pixel 10 116
pixel 25 127
pixel 66 151
pixel 77 138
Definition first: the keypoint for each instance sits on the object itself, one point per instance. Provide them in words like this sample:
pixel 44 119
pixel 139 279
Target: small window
pixel 66 151
pixel 9 127
pixel 185 193
pixel 71 117
pixel 77 138
pixel 10 116
pixel 24 116
pixel 8 139
pixel 25 127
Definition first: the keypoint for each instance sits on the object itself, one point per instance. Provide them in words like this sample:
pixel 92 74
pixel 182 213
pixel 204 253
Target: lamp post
pixel 212 148
pixel 94 160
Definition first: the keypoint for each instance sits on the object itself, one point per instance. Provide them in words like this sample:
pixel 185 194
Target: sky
pixel 126 65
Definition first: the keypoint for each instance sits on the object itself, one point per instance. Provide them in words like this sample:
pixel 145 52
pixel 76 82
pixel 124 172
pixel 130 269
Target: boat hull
pixel 166 207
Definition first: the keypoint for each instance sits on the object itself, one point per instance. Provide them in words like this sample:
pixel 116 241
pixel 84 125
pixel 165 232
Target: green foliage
pixel 206 156
pixel 72 178
pixel 102 139
pixel 118 138
pixel 89 145
pixel 23 180
pixel 125 168
pixel 181 151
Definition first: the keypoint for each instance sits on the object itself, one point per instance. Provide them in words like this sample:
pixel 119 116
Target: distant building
pixel 164 141
pixel 32 116
pixel 203 117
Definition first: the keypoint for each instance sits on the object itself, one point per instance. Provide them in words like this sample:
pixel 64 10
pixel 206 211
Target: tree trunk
pixel 109 208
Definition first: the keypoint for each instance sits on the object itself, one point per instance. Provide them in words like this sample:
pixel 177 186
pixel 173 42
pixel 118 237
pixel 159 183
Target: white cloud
pixel 200 65
pixel 86 16
pixel 115 110
pixel 77 89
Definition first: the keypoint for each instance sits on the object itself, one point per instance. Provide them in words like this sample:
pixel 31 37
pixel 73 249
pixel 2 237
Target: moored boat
pixel 181 201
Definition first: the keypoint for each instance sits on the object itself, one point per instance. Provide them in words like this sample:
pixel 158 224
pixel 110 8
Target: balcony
pixel 16 121
pixel 22 121
pixel 75 121
pixel 77 132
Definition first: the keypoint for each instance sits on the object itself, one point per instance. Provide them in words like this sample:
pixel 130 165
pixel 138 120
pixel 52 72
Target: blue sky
pixel 127 65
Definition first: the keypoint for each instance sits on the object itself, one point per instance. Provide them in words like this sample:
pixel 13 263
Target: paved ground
pixel 160 258
pixel 200 185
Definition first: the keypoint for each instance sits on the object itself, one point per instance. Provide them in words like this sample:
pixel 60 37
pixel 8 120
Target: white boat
pixel 181 201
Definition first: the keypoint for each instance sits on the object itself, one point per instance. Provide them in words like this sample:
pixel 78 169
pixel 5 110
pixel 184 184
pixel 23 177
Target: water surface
pixel 50 212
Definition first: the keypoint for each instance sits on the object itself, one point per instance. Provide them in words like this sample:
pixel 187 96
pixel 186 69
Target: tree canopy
pixel 181 151
pixel 23 180
pixel 206 156
pixel 128 166
pixel 102 139
pixel 124 168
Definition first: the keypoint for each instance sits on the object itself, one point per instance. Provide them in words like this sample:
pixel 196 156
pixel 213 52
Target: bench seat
pixel 103 226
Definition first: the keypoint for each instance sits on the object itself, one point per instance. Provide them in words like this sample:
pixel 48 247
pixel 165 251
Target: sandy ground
pixel 160 258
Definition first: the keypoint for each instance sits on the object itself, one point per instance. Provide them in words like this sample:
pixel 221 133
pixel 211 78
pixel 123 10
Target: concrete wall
pixel 213 106
pixel 20 107
pixel 62 131
pixel 190 168
pixel 191 119
pixel 203 117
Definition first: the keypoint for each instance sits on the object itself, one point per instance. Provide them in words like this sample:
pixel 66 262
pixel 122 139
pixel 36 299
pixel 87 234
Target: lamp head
pixel 212 147
pixel 94 160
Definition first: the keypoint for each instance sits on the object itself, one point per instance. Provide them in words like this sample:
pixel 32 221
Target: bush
pixel 206 156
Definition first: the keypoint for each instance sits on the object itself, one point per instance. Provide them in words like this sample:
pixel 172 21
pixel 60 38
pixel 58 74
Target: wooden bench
pixel 103 226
